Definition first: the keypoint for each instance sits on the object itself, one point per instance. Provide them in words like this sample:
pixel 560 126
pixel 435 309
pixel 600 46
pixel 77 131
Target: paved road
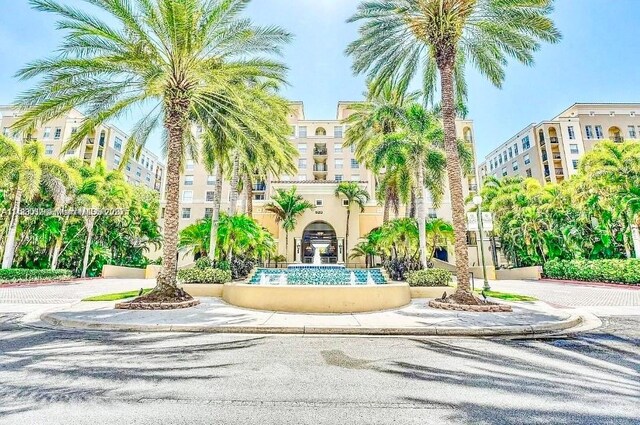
pixel 60 377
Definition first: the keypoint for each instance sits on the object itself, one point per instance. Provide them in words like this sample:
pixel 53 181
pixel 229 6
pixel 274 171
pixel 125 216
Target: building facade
pixel 107 143
pixel 322 164
pixel 550 151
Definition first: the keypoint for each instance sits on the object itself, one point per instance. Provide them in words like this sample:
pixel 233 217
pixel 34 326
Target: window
pixel 337 132
pixel 337 148
pixel 572 133
pixel 515 150
pixel 353 148
pixel 431 213
pixel 186 213
pixel 209 196
pixel 574 149
pixel 293 130
pixel 527 159
pixel 319 203
pixel 526 143
pixel 57 133
pixel 528 172
pixel 515 165
pixel 188 180
pixel 491 165
pixel 117 143
pixel 302 147
pixel 355 177
pixel 302 131
pixel 345 202
pixel 599 134
pixel 45 135
pixel 339 163
pixel 632 132
pixel 500 160
pixel 128 166
pixel 187 196
pixel 116 159
pixel 190 164
pixel 588 131
pixel 504 156
pixel 139 172
pixel 148 179
pixel 302 177
pixel 575 164
pixel 504 172
pixel 510 153
pixel 48 150
pixel 259 197
pixel 211 180
pixel 320 131
pixel 302 163
pixel 354 164
pixel 338 177
pixel 208 212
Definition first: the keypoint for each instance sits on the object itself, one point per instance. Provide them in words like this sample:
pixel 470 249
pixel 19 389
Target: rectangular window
pixel 574 149
pixel 355 177
pixel 339 162
pixel 337 132
pixel 337 148
pixel 528 172
pixel 208 212
pixel 515 165
pixel 500 160
pixel 117 143
pixel 504 156
pixel 302 132
pixel 48 150
pixel 338 177
pixel 510 153
pixel 128 166
pixel 302 163
pixel 599 134
pixel 432 213
pixel 575 164
pixel 186 213
pixel 57 133
pixel 211 180
pixel 302 147
pixel 209 195
pixel 188 180
pixel 504 172
pixel 527 159
pixel 259 197
pixel 187 196
pixel 190 164
pixel 45 135
pixel 632 132
pixel 515 149
pixel 354 164
pixel 588 130
pixel 116 159
pixel 526 143
pixel 572 133
pixel 319 203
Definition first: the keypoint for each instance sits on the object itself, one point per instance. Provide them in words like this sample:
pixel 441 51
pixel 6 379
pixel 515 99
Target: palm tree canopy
pixel 353 193
pixel 287 205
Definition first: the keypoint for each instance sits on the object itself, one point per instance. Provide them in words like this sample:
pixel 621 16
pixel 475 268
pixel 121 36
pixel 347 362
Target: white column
pixel 340 250
pixel 298 251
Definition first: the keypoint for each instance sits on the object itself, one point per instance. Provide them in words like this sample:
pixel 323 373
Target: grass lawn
pixel 507 297
pixel 117 296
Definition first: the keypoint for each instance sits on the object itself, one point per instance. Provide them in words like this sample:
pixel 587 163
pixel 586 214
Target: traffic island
pixel 482 307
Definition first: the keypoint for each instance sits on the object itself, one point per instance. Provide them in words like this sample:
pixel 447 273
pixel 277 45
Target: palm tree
pixel 182 56
pixel 22 170
pixel 399 36
pixel 353 194
pixel 438 231
pixel 194 239
pixel 287 206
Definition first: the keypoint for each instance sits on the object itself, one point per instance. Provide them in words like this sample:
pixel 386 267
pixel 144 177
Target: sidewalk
pixel 215 316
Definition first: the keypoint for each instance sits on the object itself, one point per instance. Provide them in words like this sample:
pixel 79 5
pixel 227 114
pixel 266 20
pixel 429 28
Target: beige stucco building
pixel 106 143
pixel 323 162
pixel 550 151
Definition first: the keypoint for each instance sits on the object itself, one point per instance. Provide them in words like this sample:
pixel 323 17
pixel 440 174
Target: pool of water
pixel 317 275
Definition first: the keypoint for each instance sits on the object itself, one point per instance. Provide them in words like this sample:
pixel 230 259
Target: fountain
pixel 352 280
pixel 282 280
pixel 370 280
pixel 263 279
pixel 317 247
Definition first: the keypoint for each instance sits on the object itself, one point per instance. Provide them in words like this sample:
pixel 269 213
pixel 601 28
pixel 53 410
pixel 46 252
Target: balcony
pixel 90 141
pixel 559 172
pixel 259 187
pixel 553 140
pixel 557 157
pixel 320 152
pixel 617 139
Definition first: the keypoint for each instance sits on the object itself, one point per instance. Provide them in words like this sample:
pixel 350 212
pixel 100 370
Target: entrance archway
pixel 320 233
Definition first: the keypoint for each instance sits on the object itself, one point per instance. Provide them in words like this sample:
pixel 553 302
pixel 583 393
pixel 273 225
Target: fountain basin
pixel 317 298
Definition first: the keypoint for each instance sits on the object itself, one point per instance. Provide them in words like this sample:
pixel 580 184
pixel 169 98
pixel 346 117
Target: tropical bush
pixel 616 271
pixel 207 275
pixel 29 275
pixel 429 277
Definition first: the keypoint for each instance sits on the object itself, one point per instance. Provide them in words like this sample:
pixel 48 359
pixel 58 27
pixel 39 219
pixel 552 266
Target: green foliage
pixel 506 296
pixel 429 277
pixel 615 271
pixel 28 275
pixel 208 275
pixel 287 206
pixel 117 296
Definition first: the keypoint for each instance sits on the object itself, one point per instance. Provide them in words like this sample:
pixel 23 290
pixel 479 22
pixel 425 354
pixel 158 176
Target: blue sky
pixel 598 60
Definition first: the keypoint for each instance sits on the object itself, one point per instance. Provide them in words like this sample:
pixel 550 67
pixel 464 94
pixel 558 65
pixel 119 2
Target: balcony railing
pixel 320 167
pixel 557 156
pixel 320 151
pixel 559 172
pixel 259 187
pixel 553 139
pixel 617 139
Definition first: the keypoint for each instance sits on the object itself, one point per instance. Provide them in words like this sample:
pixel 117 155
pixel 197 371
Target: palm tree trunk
pixel 421 216
pixel 56 249
pixel 286 246
pixel 215 217
pixel 387 206
pixel 346 239
pixel 248 187
pixel 412 209
pixel 87 249
pixel 233 201
pixel 454 172
pixel 10 244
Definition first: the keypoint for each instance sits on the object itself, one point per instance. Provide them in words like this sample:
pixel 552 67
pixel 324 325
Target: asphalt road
pixel 64 377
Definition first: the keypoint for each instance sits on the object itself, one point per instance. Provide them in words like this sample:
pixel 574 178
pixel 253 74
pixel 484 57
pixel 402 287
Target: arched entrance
pixel 323 234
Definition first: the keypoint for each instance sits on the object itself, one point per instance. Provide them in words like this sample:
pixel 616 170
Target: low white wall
pixel 118 272
pixel 528 273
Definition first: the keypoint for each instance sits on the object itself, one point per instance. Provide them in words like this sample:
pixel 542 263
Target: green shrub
pixel 203 263
pixel 29 275
pixel 209 275
pixel 615 271
pixel 429 277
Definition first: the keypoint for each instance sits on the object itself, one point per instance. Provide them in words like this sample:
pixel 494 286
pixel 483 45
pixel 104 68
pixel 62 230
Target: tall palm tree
pixel 23 168
pixel 183 56
pixel 441 36
pixel 287 206
pixel 353 194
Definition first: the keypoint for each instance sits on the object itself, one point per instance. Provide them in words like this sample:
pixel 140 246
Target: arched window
pixel 320 131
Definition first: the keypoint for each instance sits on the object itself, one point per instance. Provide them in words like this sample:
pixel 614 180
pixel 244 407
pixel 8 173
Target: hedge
pixel 615 271
pixel 30 275
pixel 208 275
pixel 429 277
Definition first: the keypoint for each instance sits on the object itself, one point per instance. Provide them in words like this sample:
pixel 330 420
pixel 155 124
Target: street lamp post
pixel 477 200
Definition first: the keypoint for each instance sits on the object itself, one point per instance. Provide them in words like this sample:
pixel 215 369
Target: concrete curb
pixel 516 330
